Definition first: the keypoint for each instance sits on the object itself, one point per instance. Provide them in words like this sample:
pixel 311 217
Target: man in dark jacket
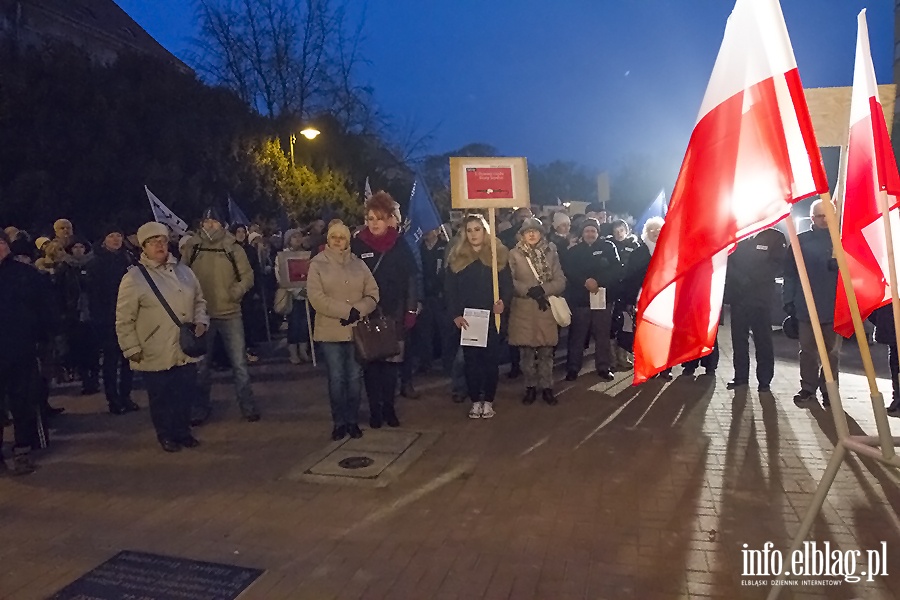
pixel 592 268
pixel 104 274
pixel 749 287
pixel 23 310
pixel 434 323
pixel 815 245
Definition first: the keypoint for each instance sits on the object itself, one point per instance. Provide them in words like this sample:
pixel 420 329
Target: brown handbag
pixel 376 338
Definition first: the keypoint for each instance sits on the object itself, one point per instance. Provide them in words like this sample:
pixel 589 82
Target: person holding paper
pixel 469 285
pixel 592 269
pixel 537 274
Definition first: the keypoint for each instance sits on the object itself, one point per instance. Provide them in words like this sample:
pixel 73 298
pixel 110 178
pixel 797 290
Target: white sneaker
pixel 488 411
pixel 477 410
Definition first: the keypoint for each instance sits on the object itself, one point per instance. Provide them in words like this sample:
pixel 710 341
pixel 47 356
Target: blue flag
pixel 235 215
pixel 421 217
pixel 658 208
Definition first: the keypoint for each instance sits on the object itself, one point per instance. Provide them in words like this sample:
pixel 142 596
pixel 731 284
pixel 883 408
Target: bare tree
pixel 288 58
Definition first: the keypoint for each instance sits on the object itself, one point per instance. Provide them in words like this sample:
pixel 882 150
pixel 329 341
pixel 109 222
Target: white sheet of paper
pixel 477 332
pixel 598 299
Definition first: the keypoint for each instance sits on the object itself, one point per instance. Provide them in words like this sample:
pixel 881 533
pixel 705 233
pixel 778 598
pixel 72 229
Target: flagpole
pixel 837 410
pixel 494 273
pixel 881 418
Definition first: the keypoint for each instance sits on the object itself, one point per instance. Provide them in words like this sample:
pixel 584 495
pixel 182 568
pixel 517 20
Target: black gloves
pixel 536 292
pixel 353 318
pixel 789 309
pixel 543 303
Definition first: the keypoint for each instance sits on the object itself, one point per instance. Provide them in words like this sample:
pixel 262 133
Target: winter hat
pixel 590 222
pixel 111 228
pixel 339 229
pixel 77 240
pixel 531 223
pixel 212 213
pixel 39 243
pixel 21 248
pixel 254 235
pixel 149 230
pixel 559 218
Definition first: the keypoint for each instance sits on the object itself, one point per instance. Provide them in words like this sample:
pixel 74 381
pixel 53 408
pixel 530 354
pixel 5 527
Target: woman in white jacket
pixel 149 338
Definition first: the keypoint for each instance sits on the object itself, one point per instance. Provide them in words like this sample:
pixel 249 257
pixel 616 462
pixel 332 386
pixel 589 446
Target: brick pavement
pixel 617 492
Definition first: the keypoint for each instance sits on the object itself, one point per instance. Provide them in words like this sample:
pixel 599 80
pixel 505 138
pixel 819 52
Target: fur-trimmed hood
pixel 464 255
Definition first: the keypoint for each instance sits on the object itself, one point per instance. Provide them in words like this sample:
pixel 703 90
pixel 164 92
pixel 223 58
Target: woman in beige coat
pixel 536 274
pixel 149 338
pixel 342 290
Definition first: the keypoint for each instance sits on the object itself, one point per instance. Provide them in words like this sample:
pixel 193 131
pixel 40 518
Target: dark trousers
pixel 482 368
pixel 589 322
pixel 380 378
pixel 895 371
pixel 434 327
pixel 710 362
pixel 19 383
pixel 298 330
pixel 170 394
pixel 755 320
pixel 117 374
pixel 85 354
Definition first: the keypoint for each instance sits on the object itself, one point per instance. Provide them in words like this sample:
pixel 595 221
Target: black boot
pixel 390 417
pixel 530 395
pixel 116 408
pixel 375 420
pixel 549 398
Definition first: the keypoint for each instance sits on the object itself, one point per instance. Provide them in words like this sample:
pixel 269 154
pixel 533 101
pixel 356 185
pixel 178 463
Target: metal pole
pixel 293 139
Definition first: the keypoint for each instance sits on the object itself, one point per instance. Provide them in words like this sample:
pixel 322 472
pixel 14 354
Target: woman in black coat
pixel 469 284
pixel 392 263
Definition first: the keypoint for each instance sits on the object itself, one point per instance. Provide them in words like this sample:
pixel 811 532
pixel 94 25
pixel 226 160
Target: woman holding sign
pixel 469 288
pixel 536 274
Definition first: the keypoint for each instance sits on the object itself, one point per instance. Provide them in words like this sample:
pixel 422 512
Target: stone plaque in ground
pixel 373 460
pixel 147 576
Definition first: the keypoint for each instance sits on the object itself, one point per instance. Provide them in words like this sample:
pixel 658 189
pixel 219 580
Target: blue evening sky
pixel 586 80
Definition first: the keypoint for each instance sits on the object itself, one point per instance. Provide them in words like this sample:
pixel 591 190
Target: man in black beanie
pixel 104 273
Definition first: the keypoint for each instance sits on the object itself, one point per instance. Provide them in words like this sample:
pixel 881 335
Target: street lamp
pixel 309 133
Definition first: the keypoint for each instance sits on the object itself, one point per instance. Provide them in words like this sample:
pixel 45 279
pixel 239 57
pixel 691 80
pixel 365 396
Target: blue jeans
pixel 232 332
pixel 344 381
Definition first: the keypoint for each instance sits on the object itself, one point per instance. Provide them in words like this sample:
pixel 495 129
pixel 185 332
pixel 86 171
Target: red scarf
pixel 379 243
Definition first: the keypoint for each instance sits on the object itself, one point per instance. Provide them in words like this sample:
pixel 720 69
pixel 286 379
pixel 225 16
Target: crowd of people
pixel 173 308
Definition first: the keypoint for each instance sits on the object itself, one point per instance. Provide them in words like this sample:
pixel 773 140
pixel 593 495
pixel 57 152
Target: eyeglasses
pixel 156 241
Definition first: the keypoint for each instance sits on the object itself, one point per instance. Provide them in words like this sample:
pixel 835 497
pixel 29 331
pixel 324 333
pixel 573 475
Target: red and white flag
pixel 751 155
pixel 871 169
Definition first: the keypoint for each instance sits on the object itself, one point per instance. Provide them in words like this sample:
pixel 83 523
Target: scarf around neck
pixel 537 255
pixel 380 243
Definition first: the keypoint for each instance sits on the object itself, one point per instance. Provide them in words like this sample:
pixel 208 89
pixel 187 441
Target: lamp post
pixel 309 133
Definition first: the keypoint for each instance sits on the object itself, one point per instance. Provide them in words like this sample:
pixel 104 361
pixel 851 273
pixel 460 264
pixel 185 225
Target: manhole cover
pixel 355 462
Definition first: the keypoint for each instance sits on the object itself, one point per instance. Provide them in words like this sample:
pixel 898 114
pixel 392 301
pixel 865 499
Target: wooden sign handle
pixel 492 217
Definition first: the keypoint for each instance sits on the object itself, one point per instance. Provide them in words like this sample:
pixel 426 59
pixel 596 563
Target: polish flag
pixel 871 170
pixel 751 156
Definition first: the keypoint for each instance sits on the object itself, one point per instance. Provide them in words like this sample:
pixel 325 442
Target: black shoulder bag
pixel 191 344
pixel 375 336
